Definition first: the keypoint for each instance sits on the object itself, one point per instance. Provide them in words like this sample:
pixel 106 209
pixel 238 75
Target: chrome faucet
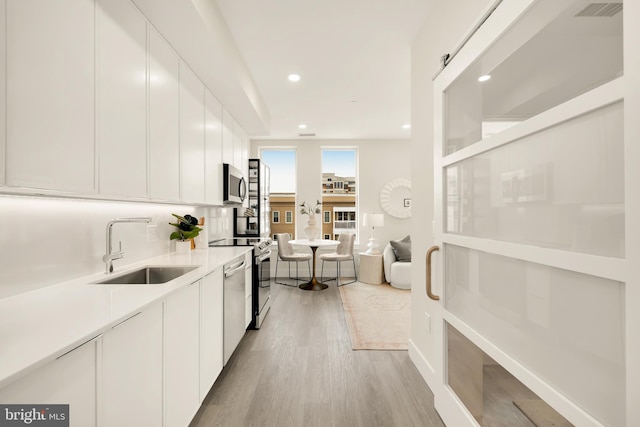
pixel 109 257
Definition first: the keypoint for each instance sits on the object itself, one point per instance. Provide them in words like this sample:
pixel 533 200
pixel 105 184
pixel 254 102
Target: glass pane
pixel 523 308
pixel 560 188
pixel 492 395
pixel 555 53
pixel 282 191
pixel 339 190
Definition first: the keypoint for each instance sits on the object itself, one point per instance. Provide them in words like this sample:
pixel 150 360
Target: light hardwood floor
pixel 299 370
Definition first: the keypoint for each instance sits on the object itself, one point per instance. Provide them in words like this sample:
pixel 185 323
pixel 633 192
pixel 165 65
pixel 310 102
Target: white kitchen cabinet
pixel 248 290
pixel 50 94
pixel 213 150
pixel 70 379
pixel 164 120
pixel 237 146
pixel 244 152
pixel 121 71
pixel 211 330
pixel 192 158
pixel 132 371
pixel 227 137
pixel 181 356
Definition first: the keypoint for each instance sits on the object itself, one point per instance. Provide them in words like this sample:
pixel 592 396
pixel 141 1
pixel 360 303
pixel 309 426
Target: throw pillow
pixel 402 249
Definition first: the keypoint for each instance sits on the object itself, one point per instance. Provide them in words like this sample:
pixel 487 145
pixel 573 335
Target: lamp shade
pixel 373 220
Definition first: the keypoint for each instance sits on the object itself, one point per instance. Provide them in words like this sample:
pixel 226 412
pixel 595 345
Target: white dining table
pixel 314 284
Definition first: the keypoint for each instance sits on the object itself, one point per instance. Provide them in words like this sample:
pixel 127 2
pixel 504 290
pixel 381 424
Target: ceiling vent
pixel 600 10
pixel 306 134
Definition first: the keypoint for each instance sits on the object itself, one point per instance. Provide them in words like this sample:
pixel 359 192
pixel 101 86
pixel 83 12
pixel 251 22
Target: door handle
pixel 430 294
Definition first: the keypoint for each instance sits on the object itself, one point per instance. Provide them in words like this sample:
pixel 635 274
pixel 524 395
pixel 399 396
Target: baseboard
pixel 422 364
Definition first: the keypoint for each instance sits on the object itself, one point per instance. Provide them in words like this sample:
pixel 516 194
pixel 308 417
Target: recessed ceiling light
pixel 302 126
pixel 484 78
pixel 294 77
pixel 407 126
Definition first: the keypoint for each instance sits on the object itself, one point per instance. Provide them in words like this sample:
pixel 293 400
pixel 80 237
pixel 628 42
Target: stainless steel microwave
pixel 235 186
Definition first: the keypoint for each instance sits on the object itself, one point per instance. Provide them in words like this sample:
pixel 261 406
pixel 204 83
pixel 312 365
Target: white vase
pixel 183 247
pixel 311 230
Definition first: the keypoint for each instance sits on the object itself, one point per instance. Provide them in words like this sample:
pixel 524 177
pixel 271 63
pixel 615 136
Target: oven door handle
pixel 263 256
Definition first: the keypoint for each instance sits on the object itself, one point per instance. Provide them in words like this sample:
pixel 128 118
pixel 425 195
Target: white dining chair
pixel 286 253
pixel 344 252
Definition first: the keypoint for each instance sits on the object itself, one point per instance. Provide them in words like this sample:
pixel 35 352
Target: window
pixel 339 190
pixel 344 219
pixel 276 217
pixel 282 194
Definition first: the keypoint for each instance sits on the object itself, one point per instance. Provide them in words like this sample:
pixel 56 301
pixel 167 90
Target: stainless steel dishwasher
pixel 234 305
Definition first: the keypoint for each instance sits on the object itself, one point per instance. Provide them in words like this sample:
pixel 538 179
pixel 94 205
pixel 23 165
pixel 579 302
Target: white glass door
pixel 531 218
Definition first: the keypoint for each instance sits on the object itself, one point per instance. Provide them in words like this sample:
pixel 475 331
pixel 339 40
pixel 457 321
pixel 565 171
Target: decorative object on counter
pixel 311 230
pixel 202 241
pixel 187 231
pixel 373 221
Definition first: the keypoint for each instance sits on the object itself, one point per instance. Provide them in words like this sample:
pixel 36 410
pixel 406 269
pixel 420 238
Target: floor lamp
pixel 373 221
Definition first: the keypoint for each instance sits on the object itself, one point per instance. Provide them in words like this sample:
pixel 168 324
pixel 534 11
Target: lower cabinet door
pixel 132 371
pixel 70 379
pixel 211 332
pixel 181 364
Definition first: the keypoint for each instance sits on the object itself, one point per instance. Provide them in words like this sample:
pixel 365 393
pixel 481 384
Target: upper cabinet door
pixel 227 137
pixel 50 94
pixel 237 146
pixel 164 120
pixel 213 150
pixel 191 136
pixel 122 97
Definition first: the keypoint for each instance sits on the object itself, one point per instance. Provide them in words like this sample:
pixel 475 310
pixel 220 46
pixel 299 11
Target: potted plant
pixel 187 230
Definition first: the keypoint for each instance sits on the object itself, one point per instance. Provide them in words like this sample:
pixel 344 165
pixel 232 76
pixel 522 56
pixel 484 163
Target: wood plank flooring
pixel 299 370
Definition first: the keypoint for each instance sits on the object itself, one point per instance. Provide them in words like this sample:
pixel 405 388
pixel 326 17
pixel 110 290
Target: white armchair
pixel 397 273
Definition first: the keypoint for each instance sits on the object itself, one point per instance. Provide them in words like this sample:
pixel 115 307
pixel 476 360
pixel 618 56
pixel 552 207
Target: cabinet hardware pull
pixel 78 346
pixel 125 320
pixel 430 294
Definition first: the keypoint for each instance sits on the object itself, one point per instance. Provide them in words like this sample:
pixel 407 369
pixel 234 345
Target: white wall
pixel 446 25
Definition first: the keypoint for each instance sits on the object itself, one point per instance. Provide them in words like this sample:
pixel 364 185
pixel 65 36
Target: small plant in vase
pixel 311 230
pixel 187 230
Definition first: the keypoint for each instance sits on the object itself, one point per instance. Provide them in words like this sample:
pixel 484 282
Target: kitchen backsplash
pixel 45 241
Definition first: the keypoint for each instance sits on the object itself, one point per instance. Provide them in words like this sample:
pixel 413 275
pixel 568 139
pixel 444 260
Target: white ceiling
pixel 354 57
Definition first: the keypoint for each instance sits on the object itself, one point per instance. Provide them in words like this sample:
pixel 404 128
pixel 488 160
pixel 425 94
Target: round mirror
pixel 395 198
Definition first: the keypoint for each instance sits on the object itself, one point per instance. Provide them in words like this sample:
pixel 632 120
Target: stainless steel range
pixel 260 273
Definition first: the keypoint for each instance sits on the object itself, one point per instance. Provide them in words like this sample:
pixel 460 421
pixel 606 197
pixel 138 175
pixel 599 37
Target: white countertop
pixel 39 326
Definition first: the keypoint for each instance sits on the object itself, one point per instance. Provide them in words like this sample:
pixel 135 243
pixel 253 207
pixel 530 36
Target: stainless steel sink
pixel 147 276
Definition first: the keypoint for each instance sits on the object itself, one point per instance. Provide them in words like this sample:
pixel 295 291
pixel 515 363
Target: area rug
pixel 541 414
pixel 378 316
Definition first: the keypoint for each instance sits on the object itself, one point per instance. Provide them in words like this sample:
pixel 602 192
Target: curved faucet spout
pixel 109 257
